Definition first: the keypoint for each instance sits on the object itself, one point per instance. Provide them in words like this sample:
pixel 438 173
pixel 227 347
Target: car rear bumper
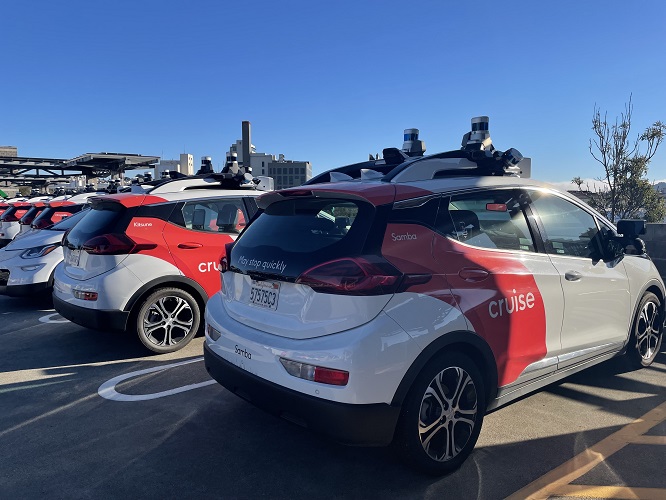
pixel 24 290
pixel 355 424
pixel 91 318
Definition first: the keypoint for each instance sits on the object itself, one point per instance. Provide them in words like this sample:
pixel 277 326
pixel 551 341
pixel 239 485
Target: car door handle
pixel 572 276
pixel 473 274
pixel 190 245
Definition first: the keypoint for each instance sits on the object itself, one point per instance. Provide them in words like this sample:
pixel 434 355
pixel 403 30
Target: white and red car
pixel 60 208
pixel 148 262
pixel 28 262
pixel 36 208
pixel 403 305
pixel 9 219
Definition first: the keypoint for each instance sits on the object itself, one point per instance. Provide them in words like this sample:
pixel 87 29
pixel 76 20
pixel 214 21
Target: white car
pixel 441 289
pixel 10 226
pixel 27 264
pixel 5 205
pixel 148 262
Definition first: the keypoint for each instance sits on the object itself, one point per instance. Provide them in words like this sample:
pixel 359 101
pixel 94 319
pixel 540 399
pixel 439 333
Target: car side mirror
pixel 631 228
pixel 607 246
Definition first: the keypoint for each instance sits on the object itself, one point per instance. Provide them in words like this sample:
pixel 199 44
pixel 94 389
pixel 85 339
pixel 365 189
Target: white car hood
pixel 35 239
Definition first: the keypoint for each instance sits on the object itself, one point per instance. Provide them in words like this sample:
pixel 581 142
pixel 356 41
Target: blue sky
pixel 327 82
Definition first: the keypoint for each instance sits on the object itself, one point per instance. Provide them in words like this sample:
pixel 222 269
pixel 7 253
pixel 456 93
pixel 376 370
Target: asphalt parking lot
pixel 87 414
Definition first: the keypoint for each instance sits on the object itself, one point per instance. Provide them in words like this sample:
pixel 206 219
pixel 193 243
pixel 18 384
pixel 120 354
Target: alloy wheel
pixel 648 330
pixel 448 414
pixel 168 321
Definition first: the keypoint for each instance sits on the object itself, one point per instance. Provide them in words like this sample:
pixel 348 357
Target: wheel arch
pixel 658 291
pixel 182 282
pixel 655 287
pixel 466 342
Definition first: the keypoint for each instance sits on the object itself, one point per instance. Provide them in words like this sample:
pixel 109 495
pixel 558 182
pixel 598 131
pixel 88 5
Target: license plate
pixel 265 294
pixel 74 257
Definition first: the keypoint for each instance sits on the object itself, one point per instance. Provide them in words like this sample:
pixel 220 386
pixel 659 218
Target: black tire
pixel 453 439
pixel 167 320
pixel 647 332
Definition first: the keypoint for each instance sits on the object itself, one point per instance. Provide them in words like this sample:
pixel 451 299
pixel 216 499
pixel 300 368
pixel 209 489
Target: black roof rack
pixel 482 159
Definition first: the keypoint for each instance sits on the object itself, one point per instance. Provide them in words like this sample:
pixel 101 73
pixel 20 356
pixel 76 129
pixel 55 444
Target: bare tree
pixel 627 192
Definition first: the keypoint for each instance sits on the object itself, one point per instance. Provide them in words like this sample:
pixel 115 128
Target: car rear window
pixel 104 218
pixel 291 236
pixel 52 215
pixel 69 222
pixel 30 215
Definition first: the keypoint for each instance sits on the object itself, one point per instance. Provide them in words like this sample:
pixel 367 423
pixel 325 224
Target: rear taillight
pixel 114 244
pixel 10 218
pixel 41 224
pixel 314 373
pixel 224 259
pixel 352 276
pixel 80 294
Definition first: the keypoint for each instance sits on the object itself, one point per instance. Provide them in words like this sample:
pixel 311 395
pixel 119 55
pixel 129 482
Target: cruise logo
pixel 509 305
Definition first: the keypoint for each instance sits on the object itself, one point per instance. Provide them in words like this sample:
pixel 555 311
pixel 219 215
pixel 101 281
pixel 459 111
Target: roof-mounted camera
pixel 412 145
pixel 479 148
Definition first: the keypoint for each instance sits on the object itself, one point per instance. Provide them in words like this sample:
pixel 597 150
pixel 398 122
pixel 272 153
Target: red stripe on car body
pixel 514 330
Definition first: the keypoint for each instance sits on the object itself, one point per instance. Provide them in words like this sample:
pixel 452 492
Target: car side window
pixel 486 219
pixel 568 229
pixel 225 215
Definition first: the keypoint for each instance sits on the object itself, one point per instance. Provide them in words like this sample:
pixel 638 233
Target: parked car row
pixel 148 263
pixel 28 261
pixel 10 213
pixel 392 301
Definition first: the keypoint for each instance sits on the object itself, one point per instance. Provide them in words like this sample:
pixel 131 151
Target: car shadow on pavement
pixel 591 385
pixel 65 344
pixel 229 449
pixel 209 442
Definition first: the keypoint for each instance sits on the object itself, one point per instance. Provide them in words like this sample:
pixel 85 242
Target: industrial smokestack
pixel 247 145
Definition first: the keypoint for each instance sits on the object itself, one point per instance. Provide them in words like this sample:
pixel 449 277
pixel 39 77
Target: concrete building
pixel 185 165
pixel 289 173
pixel 238 149
pixel 166 165
pixel 258 161
pixel 75 183
pixel 10 151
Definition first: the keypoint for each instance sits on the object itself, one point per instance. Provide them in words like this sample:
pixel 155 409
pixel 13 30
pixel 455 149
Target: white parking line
pixel 108 389
pixel 47 319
